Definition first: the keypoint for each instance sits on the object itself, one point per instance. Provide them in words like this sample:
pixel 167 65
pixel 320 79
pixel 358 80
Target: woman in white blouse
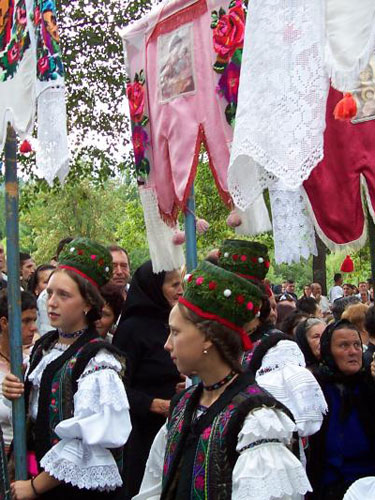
pixel 78 410
pixel 225 438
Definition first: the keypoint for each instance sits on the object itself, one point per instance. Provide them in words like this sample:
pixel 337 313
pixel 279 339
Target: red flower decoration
pixel 43 65
pixel 249 306
pixel 199 280
pixel 267 264
pixel 136 96
pixel 235 256
pixel 25 147
pixel 212 285
pixel 14 53
pixel 228 35
pixel 93 257
pixel 243 258
pixel 254 259
pixel 100 262
pixel 190 277
pixel 240 299
pixel 80 252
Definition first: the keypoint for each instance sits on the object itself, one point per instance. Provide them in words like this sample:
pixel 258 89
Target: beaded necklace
pixel 73 335
pixel 221 382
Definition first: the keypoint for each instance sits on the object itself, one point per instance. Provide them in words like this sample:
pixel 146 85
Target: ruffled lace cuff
pixel 89 467
pixel 265 423
pixel 269 471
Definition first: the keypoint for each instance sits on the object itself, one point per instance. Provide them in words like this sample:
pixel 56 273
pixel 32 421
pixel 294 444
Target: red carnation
pixel 212 285
pixel 240 299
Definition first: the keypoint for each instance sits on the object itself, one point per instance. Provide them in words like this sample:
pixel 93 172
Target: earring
pixel 205 351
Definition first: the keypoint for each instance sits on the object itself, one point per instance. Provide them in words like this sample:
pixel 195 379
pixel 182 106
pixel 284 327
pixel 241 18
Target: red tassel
pixel 347 266
pixel 25 147
pixel 346 109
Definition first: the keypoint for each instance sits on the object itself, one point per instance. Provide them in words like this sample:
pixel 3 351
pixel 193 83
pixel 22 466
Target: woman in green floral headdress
pixel 225 437
pixel 78 412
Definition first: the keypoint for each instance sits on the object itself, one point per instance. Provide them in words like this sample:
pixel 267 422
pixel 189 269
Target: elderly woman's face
pixel 346 350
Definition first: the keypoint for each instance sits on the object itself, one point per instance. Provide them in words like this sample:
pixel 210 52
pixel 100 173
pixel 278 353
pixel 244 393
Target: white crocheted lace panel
pixel 165 255
pixel 350 40
pixel 52 155
pixel 293 229
pixel 283 89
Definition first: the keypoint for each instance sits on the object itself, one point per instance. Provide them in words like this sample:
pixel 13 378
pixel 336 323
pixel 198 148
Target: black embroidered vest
pixel 200 454
pixel 58 386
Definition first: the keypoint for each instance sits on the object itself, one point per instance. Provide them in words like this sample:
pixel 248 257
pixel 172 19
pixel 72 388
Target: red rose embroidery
pixel 199 280
pixel 14 54
pixel 140 140
pixel 267 264
pixel 229 33
pixel 136 96
pixel 243 258
pixel 240 299
pixel 212 285
pixel 235 257
pixel 43 65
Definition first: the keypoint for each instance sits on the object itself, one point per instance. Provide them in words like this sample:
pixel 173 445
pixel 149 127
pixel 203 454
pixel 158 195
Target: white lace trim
pixel 266 423
pixel 278 484
pixel 284 353
pixel 165 255
pixel 293 230
pixel 282 98
pixel 101 477
pixel 52 155
pixel 35 376
pixel 104 358
pixel 98 389
pixel 350 40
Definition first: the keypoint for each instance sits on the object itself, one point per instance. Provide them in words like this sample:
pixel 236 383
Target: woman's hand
pixel 181 386
pixel 12 387
pixel 160 406
pixel 22 490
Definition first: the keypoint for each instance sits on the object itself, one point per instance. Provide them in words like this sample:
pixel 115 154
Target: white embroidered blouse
pixel 101 420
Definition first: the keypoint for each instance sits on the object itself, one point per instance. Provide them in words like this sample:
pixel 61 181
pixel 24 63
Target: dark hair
pixel 290 282
pixel 113 297
pixel 89 293
pixel 337 276
pixel 34 278
pixel 339 305
pixel 227 342
pixel 289 323
pixel 24 257
pixel 28 301
pixel 307 305
pixel 265 309
pixel 370 321
pixel 61 244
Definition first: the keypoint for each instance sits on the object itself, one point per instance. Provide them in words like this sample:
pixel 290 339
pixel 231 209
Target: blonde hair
pixel 356 314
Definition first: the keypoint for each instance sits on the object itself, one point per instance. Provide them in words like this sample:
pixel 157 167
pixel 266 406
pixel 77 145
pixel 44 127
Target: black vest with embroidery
pixel 201 453
pixel 58 386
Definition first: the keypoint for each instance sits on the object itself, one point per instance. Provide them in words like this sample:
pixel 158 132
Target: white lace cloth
pixel 52 154
pixel 264 472
pixel 293 229
pixel 283 89
pixel 350 40
pixel 362 489
pixel 284 375
pixel 165 256
pixel 101 420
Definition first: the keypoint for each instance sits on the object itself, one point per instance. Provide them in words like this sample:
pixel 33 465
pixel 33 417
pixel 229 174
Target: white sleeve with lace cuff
pixel 101 420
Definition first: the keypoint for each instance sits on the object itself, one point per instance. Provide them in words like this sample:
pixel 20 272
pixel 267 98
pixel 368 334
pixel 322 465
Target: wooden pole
pixel 190 233
pixel 14 298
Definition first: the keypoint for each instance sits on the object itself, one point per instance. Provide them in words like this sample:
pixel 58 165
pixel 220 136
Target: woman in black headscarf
pixel 307 336
pixel 344 448
pixel 151 374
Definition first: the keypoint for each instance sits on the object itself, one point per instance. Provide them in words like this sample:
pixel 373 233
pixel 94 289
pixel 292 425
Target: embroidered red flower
pixel 190 277
pixel 37 16
pixel 235 257
pixel 199 483
pixel 135 94
pixel 13 53
pixel 240 299
pixel 43 65
pixel 229 82
pixel 140 140
pixel 228 35
pixel 267 264
pixel 80 252
pixel 100 262
pixel 243 258
pixel 250 306
pixel 21 16
pixel 199 280
pixel 212 285
pixel 200 457
pixel 254 259
pixel 93 257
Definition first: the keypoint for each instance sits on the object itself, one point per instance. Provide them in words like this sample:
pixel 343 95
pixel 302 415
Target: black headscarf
pixel 303 343
pixel 145 294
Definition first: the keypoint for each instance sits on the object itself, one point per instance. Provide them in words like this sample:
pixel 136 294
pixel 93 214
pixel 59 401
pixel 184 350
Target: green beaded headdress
pixel 217 294
pixel 89 259
pixel 248 259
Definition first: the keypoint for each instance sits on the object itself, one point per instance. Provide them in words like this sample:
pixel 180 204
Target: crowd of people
pixel 213 384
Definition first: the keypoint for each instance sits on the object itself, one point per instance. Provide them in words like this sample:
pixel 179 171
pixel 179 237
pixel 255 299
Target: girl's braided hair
pixel 227 342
